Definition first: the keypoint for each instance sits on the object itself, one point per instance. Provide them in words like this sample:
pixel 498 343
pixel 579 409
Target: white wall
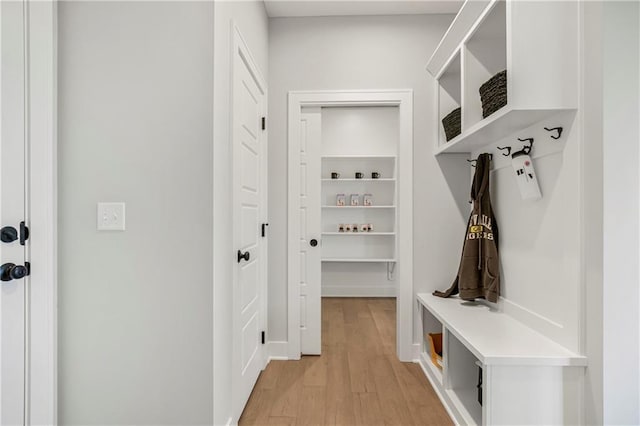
pixel 539 241
pixel 621 290
pixel 252 21
pixel 135 125
pixel 380 52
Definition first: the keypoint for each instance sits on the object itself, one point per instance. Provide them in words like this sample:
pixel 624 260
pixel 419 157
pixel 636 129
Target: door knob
pixel 8 234
pixel 10 271
pixel 313 242
pixel 244 256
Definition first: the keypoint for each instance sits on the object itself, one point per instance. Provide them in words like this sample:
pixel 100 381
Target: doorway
pixel 363 247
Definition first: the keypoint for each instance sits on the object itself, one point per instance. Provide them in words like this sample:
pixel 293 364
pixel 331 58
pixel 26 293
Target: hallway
pixel 357 380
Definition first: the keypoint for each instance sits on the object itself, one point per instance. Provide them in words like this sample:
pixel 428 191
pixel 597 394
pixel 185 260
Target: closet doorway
pixel 350 202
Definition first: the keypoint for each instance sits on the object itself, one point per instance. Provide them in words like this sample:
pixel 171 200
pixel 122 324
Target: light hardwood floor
pixel 357 380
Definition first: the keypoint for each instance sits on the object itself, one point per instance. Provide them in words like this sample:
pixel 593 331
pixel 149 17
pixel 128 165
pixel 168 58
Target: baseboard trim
pixel 416 352
pixel 358 291
pixel 278 350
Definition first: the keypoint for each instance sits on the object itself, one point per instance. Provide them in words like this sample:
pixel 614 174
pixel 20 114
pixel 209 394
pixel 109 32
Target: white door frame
pixel 403 99
pixel 41 199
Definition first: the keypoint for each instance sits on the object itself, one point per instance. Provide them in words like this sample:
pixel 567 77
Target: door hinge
pixel 263 337
pixel 264 230
pixel 264 123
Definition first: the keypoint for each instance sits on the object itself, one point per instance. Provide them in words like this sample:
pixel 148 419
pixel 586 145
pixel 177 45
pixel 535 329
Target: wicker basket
pixel 435 344
pixel 452 125
pixel 493 94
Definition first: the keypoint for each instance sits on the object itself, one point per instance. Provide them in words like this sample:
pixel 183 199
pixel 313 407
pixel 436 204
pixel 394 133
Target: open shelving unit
pixel 539 69
pixel 474 335
pixel 527 377
pixel 378 246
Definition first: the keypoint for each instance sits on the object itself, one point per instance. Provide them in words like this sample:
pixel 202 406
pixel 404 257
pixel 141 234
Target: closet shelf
pixel 359 180
pixel 351 157
pixel 358 233
pixel 494 337
pixel 354 260
pixel 358 207
pixel 497 126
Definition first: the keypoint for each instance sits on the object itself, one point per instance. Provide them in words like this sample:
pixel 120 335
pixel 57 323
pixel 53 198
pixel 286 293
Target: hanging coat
pixel 479 271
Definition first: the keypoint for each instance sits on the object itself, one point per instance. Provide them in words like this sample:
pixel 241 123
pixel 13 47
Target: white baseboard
pixel 278 350
pixel 415 350
pixel 358 291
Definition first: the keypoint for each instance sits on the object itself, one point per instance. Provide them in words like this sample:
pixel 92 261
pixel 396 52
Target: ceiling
pixel 293 8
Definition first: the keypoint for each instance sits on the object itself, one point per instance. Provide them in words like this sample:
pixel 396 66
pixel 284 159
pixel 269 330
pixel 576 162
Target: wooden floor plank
pixel 311 410
pixel 358 380
pixel 367 410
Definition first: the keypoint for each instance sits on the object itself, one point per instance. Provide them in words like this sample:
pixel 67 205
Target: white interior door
pixel 310 232
pixel 249 213
pixel 13 287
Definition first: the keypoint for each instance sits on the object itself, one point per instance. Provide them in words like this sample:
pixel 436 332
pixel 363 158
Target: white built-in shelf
pixel 498 125
pixel 458 31
pixel 496 338
pixel 358 207
pixel 477 46
pixel 356 260
pixel 356 156
pixel 360 180
pixel 466 401
pixel 428 364
pixel 358 233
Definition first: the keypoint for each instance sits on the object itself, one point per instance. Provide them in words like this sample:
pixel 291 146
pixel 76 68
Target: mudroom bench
pixel 496 370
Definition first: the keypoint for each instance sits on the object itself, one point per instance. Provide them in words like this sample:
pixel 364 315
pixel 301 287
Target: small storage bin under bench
pixel 526 377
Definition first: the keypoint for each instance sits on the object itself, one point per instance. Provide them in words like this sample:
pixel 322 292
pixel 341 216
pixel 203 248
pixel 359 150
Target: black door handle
pixel 8 234
pixel 246 256
pixel 10 271
pixel 313 242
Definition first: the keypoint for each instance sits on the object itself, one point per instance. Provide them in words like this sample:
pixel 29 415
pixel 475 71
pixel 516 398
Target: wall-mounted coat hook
pixel 526 149
pixel 555 129
pixel 475 160
pixel 507 148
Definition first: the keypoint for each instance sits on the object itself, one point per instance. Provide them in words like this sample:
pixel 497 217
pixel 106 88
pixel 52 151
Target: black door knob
pixel 10 271
pixel 8 234
pixel 246 256
pixel 313 242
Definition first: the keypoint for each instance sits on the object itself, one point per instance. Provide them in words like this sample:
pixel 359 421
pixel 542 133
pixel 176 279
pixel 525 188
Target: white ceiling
pixel 291 8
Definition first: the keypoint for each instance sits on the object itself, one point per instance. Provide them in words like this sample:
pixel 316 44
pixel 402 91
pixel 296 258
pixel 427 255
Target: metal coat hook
pixel 503 148
pixel 526 149
pixel 555 129
pixel 475 160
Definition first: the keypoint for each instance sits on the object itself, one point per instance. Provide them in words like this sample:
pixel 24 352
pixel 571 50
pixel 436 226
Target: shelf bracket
pixel 391 268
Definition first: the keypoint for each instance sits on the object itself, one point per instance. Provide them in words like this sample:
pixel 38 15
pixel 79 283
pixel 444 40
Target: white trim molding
pixel 278 350
pixel 403 99
pixel 41 355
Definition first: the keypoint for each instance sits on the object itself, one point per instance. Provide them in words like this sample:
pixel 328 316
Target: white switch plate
pixel 111 217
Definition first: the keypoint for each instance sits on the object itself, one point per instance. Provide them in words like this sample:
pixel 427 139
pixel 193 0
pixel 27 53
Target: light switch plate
pixel 111 217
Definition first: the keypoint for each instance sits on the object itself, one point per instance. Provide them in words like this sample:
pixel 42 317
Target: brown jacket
pixel 479 271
